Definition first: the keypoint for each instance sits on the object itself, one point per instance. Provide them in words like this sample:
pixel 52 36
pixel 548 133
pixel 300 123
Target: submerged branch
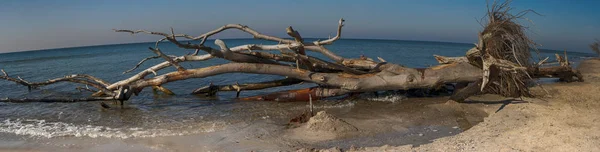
pixel 26 100
pixel 140 63
pixel 210 89
pixel 75 78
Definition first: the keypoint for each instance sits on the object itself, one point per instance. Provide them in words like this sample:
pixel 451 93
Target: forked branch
pixel 485 66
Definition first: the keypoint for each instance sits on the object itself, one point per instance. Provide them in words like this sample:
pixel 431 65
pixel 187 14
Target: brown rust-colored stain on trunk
pixel 347 75
pixel 300 95
pixel 301 71
pixel 438 67
pixel 179 74
pixel 422 71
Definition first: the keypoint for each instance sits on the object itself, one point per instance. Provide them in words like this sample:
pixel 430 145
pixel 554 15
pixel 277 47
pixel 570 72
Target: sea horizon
pixel 382 39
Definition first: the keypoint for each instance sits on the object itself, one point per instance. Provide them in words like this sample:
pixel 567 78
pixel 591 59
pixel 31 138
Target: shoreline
pixel 567 120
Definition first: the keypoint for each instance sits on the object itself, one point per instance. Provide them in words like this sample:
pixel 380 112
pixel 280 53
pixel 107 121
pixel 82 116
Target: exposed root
pixel 505 52
pixel 500 61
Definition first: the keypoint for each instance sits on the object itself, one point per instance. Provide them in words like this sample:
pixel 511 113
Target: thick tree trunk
pixel 314 93
pixel 391 77
pixel 342 76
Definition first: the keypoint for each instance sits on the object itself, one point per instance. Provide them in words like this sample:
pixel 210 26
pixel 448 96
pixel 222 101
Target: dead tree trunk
pixel 486 65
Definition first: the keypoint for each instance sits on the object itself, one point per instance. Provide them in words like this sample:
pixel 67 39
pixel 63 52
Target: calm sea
pixel 149 115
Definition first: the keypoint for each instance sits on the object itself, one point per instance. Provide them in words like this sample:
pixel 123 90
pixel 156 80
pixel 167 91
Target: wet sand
pixel 566 119
pixel 391 121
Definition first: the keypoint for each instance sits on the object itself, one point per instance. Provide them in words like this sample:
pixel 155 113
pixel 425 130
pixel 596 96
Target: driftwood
pixel 596 47
pixel 490 67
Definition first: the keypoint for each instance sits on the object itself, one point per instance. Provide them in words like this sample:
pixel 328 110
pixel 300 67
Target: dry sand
pixel 566 119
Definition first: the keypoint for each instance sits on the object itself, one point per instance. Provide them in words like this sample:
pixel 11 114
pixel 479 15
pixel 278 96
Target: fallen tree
pixel 499 64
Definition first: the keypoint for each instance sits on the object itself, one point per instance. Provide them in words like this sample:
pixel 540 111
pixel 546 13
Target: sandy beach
pixel 565 120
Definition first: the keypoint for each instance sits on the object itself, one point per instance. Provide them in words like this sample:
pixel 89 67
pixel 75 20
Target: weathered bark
pixel 76 78
pixel 167 58
pixel 342 76
pixel 448 60
pixel 25 100
pixel 210 89
pixel 472 89
pixel 564 72
pixel 391 77
pixel 314 93
pixel 163 90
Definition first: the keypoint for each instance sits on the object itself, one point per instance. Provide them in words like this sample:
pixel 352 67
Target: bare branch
pixel 158 67
pixel 316 62
pixel 4 72
pixel 50 100
pixel 245 29
pixel 140 63
pixel 542 61
pixel 185 58
pixel 381 59
pixel 218 30
pixel 240 48
pixel 360 64
pixel 337 36
pixel 328 53
pixel 167 58
pixel 85 89
pixel 447 60
pixel 276 57
pixel 223 46
pixel 293 33
pixel 142 31
pixel 320 65
pixel 99 84
pixel 163 89
pixel 250 86
pixel 18 81
pixel 312 47
pixel 227 54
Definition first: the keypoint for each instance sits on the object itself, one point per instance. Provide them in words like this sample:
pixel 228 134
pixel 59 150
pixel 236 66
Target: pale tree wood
pixel 342 76
pixel 391 77
pixel 211 89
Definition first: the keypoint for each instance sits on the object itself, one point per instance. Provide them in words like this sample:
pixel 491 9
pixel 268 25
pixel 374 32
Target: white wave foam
pixel 41 128
pixel 385 97
pixel 340 105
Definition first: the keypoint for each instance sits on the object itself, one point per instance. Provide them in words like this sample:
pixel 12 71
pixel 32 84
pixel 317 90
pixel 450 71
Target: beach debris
pixel 324 121
pixel 499 63
pixel 596 47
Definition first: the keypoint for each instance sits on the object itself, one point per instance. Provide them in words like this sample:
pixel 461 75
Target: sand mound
pixel 321 127
pixel 566 120
pixel 323 121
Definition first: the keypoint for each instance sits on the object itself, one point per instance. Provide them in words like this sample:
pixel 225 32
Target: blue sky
pixel 40 24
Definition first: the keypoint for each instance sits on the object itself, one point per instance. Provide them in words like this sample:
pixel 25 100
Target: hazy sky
pixel 42 24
